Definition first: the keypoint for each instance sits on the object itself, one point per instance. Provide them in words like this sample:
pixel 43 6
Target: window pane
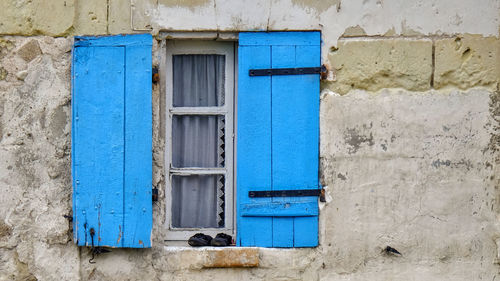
pixel 198 201
pixel 198 141
pixel 198 80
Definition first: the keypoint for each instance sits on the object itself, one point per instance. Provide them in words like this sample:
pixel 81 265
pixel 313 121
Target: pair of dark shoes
pixel 220 240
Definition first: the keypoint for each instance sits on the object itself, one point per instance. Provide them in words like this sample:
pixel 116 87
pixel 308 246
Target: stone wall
pixel 410 140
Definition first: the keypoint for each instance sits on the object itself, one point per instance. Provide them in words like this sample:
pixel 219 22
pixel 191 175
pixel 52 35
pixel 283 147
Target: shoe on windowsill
pixel 221 240
pixel 199 240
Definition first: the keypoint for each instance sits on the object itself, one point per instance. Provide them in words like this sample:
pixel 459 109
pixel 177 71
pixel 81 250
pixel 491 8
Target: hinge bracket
pixel 286 71
pixel 286 193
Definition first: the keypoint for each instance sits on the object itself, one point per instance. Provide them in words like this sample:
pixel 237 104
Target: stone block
pixel 119 17
pixel 53 17
pixel 374 64
pixel 91 17
pixel 467 61
pixel 15 17
pixel 142 14
pixel 232 257
pixel 30 50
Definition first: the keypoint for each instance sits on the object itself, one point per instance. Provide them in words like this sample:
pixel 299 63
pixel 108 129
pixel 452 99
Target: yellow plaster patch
pixel 390 32
pixel 374 64
pixel 467 61
pixel 319 6
pixel 185 3
pixel 15 17
pixel 119 17
pixel 53 17
pixel 91 17
pixel 354 31
pixel 190 4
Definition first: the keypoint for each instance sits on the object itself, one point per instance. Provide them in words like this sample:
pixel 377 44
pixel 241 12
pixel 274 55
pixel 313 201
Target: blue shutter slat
pixel 295 123
pixel 280 209
pixel 138 148
pixel 284 139
pixel 98 143
pixel 254 135
pixel 306 126
pixel 280 38
pixel 294 139
pixel 111 127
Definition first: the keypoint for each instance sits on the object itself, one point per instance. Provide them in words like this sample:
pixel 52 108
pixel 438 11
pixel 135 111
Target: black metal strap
pixel 286 71
pixel 285 193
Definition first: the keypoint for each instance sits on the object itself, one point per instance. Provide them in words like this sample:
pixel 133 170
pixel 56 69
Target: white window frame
pixel 184 47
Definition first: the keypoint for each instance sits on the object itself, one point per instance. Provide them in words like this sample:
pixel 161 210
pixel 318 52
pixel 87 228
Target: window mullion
pixel 213 110
pixel 197 171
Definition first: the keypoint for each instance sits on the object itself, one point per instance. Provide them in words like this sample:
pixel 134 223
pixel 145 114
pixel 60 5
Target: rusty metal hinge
pixel 155 194
pixel 155 75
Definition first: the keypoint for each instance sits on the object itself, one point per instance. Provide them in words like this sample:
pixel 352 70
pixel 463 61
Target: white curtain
pixel 198 141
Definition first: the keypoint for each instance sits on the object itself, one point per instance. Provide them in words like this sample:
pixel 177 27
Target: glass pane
pixel 198 141
pixel 198 80
pixel 198 201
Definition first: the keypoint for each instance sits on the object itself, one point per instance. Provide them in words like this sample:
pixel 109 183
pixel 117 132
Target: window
pixel 199 138
pixel 277 139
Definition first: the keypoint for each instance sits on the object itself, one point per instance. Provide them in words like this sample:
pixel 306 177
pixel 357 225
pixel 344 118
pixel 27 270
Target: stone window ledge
pixel 189 258
pixel 212 257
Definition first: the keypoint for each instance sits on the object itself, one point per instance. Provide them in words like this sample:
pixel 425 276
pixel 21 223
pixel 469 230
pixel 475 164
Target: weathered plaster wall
pixel 414 170
pixel 35 170
pixel 410 139
pixel 348 18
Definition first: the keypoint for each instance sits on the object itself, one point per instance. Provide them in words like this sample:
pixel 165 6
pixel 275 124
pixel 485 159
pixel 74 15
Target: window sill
pixel 213 257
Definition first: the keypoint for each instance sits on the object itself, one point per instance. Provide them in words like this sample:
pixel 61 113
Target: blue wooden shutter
pixel 277 139
pixel 112 141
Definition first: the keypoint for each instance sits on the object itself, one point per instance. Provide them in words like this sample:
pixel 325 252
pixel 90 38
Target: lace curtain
pixel 198 141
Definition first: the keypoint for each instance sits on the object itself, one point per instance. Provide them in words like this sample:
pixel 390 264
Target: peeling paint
pixel 437 163
pixel 120 233
pixel 373 17
pixel 185 3
pixel 354 31
pixel 319 6
pixel 354 138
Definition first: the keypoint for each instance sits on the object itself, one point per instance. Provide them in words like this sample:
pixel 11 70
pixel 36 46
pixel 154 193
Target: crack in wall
pixel 107 16
pixel 433 64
